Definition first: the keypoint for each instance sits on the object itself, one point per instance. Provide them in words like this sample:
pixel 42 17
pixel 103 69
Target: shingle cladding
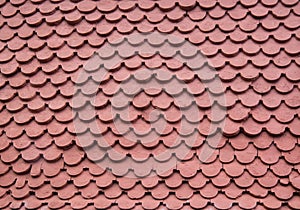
pixel 58 133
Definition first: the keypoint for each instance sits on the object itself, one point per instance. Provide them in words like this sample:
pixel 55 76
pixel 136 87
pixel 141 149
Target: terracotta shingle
pixel 155 125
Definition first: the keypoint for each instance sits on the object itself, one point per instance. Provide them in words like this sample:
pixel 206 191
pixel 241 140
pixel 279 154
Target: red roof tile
pixel 182 132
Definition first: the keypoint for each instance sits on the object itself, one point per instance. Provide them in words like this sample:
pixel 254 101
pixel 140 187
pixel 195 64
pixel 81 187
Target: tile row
pixel 134 94
pixel 193 56
pixel 16 50
pixel 157 68
pixel 199 182
pixel 261 80
pixel 21 141
pixel 194 174
pixel 131 150
pixel 34 16
pixel 141 127
pixel 257 9
pixel 171 202
pixel 244 192
pixel 219 61
pixel 258 30
pixel 152 111
pixel 56 38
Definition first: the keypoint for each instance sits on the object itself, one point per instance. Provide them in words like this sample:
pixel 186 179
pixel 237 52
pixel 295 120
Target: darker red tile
pixel 271 202
pixel 197 201
pixel 55 202
pixel 209 191
pixel 257 168
pixel 222 202
pixel 173 203
pixel 32 202
pixel 149 202
pixel 281 168
pixel 184 192
pixel 247 202
pixel 77 202
pixel 234 169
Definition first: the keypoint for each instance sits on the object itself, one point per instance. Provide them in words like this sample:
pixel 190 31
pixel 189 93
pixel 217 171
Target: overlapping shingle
pixel 53 137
